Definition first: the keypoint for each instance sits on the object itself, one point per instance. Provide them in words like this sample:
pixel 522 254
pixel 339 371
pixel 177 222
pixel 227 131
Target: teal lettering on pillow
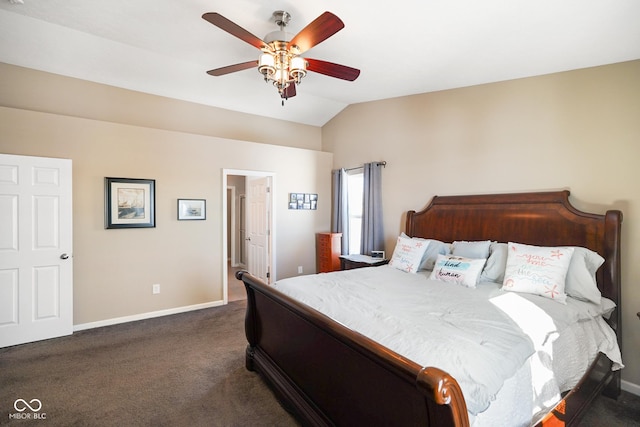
pixel 455 269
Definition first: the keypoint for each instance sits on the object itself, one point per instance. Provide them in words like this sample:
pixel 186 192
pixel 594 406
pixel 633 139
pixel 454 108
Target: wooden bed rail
pixel 407 394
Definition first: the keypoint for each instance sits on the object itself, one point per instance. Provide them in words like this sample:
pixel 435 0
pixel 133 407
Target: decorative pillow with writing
pixel 581 276
pixel 538 270
pixel 496 263
pixel 476 250
pixel 434 248
pixel 455 269
pixel 408 253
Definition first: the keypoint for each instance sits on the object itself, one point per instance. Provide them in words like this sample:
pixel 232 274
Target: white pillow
pixel 476 250
pixel 496 264
pixel 408 254
pixel 455 269
pixel 581 276
pixel 434 248
pixel 538 270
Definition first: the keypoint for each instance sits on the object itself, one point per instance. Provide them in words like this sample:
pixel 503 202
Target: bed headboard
pixel 543 219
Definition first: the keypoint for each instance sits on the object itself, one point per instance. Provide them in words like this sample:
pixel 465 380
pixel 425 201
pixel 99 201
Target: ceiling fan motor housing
pixel 278 35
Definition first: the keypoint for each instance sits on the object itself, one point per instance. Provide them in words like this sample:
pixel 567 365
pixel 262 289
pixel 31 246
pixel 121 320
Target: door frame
pixel 272 224
pixel 231 226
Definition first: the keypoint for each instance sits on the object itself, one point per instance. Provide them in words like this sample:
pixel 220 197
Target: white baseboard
pixel 142 316
pixel 630 387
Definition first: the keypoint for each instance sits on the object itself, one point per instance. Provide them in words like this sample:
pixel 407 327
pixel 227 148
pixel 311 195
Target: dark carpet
pixel 180 370
pixel 621 412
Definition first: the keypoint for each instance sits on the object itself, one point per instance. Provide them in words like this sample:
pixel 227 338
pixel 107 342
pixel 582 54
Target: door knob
pixel 248 239
pixel 64 256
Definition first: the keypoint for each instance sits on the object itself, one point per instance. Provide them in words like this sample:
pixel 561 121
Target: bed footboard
pixel 326 374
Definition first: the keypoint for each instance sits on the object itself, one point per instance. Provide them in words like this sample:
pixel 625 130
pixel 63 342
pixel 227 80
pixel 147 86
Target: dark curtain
pixel 340 211
pixel 372 227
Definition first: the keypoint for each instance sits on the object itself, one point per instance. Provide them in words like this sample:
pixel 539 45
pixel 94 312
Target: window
pixel 355 184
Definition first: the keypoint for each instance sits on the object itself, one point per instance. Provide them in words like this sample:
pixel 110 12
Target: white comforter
pixel 481 336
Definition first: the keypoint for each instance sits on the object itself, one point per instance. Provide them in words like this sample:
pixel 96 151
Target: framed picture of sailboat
pixel 129 203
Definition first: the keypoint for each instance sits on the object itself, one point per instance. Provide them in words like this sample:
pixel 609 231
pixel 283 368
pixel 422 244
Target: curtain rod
pixel 382 163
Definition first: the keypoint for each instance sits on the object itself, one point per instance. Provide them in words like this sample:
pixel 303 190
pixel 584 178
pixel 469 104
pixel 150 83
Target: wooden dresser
pixel 328 248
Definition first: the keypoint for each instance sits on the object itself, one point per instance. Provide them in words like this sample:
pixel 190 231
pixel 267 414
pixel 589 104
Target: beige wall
pixel 28 89
pixel 114 269
pixel 577 130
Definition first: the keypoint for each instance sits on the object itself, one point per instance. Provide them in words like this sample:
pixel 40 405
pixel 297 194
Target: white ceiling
pixel 405 47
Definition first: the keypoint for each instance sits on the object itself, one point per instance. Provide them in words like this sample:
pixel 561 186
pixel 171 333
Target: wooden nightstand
pixel 349 262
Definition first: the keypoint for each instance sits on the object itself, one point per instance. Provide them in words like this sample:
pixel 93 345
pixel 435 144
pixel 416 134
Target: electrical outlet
pixel 299 269
pixel 156 288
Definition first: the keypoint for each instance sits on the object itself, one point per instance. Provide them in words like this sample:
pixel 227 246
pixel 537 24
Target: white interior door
pixel 257 223
pixel 36 267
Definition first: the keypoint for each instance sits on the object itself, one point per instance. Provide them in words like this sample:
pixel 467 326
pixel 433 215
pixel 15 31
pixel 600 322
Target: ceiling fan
pixel 280 62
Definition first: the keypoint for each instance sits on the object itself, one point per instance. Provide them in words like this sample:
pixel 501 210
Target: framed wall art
pixel 306 201
pixel 129 203
pixel 192 209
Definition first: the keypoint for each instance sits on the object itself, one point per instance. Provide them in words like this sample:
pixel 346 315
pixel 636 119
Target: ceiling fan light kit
pixel 280 62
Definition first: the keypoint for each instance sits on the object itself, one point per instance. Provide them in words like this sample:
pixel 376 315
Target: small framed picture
pixel 129 203
pixel 303 201
pixel 192 209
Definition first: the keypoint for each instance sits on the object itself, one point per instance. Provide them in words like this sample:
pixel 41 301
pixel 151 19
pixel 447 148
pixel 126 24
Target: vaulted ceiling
pixel 405 47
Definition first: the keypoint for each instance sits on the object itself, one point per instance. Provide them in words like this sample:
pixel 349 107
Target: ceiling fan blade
pixel 323 27
pixel 332 70
pixel 289 92
pixel 233 68
pixel 234 29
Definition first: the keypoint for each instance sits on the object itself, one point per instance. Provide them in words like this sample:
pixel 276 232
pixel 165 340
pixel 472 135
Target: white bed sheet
pixel 498 345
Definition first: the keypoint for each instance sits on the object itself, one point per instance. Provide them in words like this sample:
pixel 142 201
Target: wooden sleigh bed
pixel 326 374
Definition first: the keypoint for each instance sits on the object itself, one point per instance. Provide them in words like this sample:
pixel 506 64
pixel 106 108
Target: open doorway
pixel 236 235
pixel 248 228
